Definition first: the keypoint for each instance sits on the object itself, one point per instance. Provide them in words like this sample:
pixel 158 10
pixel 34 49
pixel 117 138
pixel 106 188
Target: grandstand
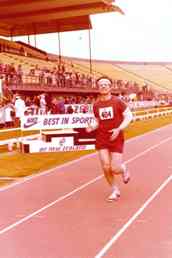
pixel 39 17
pixel 21 49
pixel 42 17
pixel 29 71
pixel 62 16
pixel 158 76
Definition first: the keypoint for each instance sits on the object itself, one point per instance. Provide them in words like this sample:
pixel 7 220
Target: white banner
pixel 51 148
pixel 56 121
pixel 40 146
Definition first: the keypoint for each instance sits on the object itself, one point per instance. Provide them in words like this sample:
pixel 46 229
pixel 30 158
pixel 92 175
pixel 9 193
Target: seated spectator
pixel 69 110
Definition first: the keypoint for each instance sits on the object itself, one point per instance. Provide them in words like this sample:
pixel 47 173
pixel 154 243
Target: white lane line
pixel 148 149
pixel 109 244
pixel 49 171
pixel 49 205
pixel 63 197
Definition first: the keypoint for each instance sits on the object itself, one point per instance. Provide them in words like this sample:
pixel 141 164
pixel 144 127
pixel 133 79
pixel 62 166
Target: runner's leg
pixel 105 160
pixel 118 166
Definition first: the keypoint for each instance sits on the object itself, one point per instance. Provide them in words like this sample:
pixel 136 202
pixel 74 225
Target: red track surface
pixel 63 213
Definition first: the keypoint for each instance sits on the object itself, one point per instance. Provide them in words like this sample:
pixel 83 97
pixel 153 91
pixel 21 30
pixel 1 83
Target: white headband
pixel 104 81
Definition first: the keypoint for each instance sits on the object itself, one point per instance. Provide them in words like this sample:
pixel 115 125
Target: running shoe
pixel 114 195
pixel 126 176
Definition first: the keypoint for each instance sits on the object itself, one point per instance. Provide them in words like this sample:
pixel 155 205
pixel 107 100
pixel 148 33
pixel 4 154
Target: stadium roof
pixel 28 17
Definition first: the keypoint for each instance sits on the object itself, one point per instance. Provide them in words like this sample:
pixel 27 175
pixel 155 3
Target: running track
pixel 63 213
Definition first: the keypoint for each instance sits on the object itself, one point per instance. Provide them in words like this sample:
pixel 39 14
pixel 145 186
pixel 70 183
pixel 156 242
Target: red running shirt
pixel 109 114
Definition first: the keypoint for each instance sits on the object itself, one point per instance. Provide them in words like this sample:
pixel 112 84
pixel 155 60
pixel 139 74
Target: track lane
pixel 150 236
pixel 80 226
pixel 53 223
pixel 35 192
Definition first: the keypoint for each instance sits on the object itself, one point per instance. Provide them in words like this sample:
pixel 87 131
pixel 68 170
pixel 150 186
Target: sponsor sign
pixel 56 121
pixel 62 141
pixel 40 146
pixel 80 108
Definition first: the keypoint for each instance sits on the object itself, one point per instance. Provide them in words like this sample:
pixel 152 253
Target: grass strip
pixel 23 164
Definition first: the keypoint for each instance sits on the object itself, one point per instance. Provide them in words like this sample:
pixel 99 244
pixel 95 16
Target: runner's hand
pixel 89 128
pixel 92 126
pixel 115 133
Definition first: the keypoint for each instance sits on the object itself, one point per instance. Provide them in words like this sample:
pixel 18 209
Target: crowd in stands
pixel 59 76
pixel 14 105
pixel 62 76
pixel 11 74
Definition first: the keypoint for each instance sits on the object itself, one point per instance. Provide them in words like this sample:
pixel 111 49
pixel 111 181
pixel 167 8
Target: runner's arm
pixel 91 127
pixel 128 116
pixel 127 119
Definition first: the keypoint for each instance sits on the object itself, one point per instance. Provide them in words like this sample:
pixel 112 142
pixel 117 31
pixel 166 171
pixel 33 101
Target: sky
pixel 144 33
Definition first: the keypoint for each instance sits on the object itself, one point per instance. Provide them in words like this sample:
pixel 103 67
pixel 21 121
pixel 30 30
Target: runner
pixel 112 116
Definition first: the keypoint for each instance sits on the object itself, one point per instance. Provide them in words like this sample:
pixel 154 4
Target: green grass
pixel 15 134
pixel 23 164
pixel 19 165
pixel 141 127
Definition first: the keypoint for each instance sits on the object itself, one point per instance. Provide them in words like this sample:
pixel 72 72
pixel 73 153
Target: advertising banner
pixel 56 121
pixel 40 146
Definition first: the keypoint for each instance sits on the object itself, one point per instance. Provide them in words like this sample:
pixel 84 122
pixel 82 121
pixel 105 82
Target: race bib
pixel 106 113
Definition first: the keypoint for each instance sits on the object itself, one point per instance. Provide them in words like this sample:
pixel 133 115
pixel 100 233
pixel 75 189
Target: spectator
pixel 70 110
pixel 19 109
pixel 9 114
